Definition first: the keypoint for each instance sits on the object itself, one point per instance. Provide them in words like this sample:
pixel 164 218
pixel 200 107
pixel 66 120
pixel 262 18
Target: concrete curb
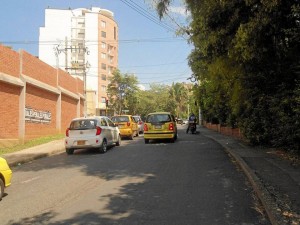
pixel 36 152
pixel 261 192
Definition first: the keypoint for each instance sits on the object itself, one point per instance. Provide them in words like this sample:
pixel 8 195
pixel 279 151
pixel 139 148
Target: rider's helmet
pixel 192 116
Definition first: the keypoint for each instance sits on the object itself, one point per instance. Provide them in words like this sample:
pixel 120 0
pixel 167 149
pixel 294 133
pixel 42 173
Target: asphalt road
pixel 191 181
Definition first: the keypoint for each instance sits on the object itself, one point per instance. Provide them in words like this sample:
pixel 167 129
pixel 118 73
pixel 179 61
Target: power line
pixel 95 42
pixel 172 79
pixel 165 64
pixel 147 15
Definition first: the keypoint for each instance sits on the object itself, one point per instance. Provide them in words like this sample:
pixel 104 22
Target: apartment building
pixel 83 42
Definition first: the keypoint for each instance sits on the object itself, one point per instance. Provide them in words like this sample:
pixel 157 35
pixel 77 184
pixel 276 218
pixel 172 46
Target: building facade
pixel 83 42
pixel 36 99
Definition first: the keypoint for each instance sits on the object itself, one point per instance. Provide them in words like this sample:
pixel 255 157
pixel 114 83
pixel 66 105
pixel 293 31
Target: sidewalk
pixel 275 180
pixel 29 154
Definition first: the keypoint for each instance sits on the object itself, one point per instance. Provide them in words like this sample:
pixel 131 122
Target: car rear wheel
pixel 1 189
pixel 118 143
pixel 146 141
pixel 103 147
pixel 69 151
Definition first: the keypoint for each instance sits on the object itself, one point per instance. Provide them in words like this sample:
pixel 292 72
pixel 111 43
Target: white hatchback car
pixel 93 132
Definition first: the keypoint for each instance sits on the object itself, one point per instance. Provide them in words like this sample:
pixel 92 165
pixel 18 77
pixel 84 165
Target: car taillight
pixel 128 124
pixel 140 122
pixel 98 132
pixel 67 132
pixel 171 126
pixel 145 127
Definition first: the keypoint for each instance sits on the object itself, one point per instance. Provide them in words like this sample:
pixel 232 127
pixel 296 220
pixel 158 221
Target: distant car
pixel 127 125
pixel 160 125
pixel 179 121
pixel 140 123
pixel 94 132
pixel 5 176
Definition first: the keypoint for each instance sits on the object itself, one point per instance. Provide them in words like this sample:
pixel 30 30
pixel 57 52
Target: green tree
pixel 179 98
pixel 123 92
pixel 246 58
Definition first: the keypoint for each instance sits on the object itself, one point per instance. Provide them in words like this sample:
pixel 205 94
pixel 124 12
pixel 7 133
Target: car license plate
pixel 80 142
pixel 120 125
pixel 157 126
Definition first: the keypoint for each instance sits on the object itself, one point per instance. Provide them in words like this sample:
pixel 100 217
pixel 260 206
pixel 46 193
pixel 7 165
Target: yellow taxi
pixel 160 125
pixel 5 176
pixel 127 125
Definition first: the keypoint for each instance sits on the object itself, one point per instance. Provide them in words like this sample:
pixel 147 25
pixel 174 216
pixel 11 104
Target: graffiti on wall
pixel 37 116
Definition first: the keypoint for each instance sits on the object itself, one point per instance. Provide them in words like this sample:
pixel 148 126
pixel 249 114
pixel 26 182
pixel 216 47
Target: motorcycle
pixel 192 127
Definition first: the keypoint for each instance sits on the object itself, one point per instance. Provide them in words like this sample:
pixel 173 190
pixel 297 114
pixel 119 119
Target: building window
pixel 103 56
pixel 115 33
pixel 103 77
pixel 110 59
pixel 103 45
pixel 103 100
pixel 103 66
pixel 103 88
pixel 103 24
pixel 103 34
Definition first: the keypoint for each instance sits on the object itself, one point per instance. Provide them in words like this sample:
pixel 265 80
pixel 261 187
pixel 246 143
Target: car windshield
pixel 158 118
pixel 120 119
pixel 83 124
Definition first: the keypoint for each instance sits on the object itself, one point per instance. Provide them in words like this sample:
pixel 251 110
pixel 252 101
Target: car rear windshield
pixel 158 118
pixel 120 119
pixel 83 124
pixel 136 118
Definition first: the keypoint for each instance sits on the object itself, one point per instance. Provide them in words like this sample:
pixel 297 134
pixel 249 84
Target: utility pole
pixel 76 67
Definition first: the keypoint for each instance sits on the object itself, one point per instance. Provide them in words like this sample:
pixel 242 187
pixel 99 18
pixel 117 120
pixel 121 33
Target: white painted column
pixel 22 103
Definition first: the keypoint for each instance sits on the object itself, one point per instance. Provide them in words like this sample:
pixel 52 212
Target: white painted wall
pixel 91 42
pixel 57 28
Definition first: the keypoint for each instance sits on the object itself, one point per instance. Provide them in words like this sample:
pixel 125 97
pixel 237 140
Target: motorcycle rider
pixel 192 119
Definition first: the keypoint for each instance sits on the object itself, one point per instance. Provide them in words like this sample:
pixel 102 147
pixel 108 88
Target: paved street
pixel 191 181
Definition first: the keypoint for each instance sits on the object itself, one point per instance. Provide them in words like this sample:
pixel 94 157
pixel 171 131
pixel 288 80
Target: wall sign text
pixel 37 116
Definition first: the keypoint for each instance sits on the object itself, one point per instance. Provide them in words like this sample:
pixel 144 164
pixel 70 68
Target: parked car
pixel 179 121
pixel 160 125
pixel 140 123
pixel 127 125
pixel 185 121
pixel 5 176
pixel 93 132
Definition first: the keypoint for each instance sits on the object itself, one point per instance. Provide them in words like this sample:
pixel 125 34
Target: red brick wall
pixel 41 100
pixel 9 61
pixel 235 132
pixel 9 110
pixel 37 69
pixel 80 86
pixel 69 111
pixel 67 82
pixel 36 98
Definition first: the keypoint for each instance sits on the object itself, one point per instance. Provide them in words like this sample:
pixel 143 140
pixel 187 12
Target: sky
pixel 148 47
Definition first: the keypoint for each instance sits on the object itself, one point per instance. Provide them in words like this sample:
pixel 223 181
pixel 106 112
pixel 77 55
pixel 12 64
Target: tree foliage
pixel 247 60
pixel 122 92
